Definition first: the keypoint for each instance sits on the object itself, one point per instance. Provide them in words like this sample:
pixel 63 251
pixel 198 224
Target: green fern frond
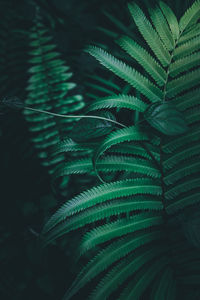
pixel 122 271
pixel 183 83
pixel 182 187
pixel 106 210
pixel 187 48
pixel 122 135
pixel 162 28
pixel 108 164
pixel 108 256
pixel 190 16
pixel 149 34
pixel 48 89
pixel 101 194
pixel 143 279
pixel 188 100
pixel 183 64
pixel 118 101
pixel 184 202
pixel 190 34
pixel 119 228
pixel 144 59
pixel 127 73
pixel 188 152
pixel 171 19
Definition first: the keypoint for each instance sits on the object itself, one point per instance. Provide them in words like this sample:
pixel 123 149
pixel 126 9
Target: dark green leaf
pixel 166 118
pixel 87 128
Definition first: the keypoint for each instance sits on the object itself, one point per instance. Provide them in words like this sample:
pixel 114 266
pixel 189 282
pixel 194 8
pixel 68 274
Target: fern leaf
pixel 118 101
pixel 133 77
pixel 182 155
pixel 190 16
pixel 106 210
pixel 188 100
pixel 119 136
pixel 187 48
pixel 184 202
pixel 187 168
pixel 101 194
pixel 144 59
pixel 108 256
pixel 108 164
pixel 182 187
pixel 149 34
pixel 122 271
pixel 192 136
pixel 171 19
pixel 142 279
pixel 183 83
pixel 162 28
pixel 119 228
pixel 190 34
pixel 183 64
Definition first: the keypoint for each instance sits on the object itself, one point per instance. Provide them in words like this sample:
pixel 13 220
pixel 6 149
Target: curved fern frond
pixel 118 101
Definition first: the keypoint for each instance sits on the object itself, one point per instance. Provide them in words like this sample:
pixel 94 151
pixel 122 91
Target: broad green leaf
pixel 166 118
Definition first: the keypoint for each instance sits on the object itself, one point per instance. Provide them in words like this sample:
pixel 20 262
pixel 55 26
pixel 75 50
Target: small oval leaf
pixel 166 118
pixel 87 129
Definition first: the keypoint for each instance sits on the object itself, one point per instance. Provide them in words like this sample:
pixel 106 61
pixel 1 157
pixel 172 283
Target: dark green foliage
pixel 143 246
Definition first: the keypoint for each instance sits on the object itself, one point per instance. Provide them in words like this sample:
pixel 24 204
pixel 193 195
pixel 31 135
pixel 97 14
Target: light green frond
pixel 119 228
pixel 184 202
pixel 171 19
pixel 182 187
pixel 185 64
pixel 187 48
pixel 190 16
pixel 124 270
pixel 108 256
pixel 143 279
pixel 102 194
pixel 130 75
pixel 149 34
pixel 118 101
pixel 188 168
pixel 162 27
pixel 144 59
pixel 183 83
